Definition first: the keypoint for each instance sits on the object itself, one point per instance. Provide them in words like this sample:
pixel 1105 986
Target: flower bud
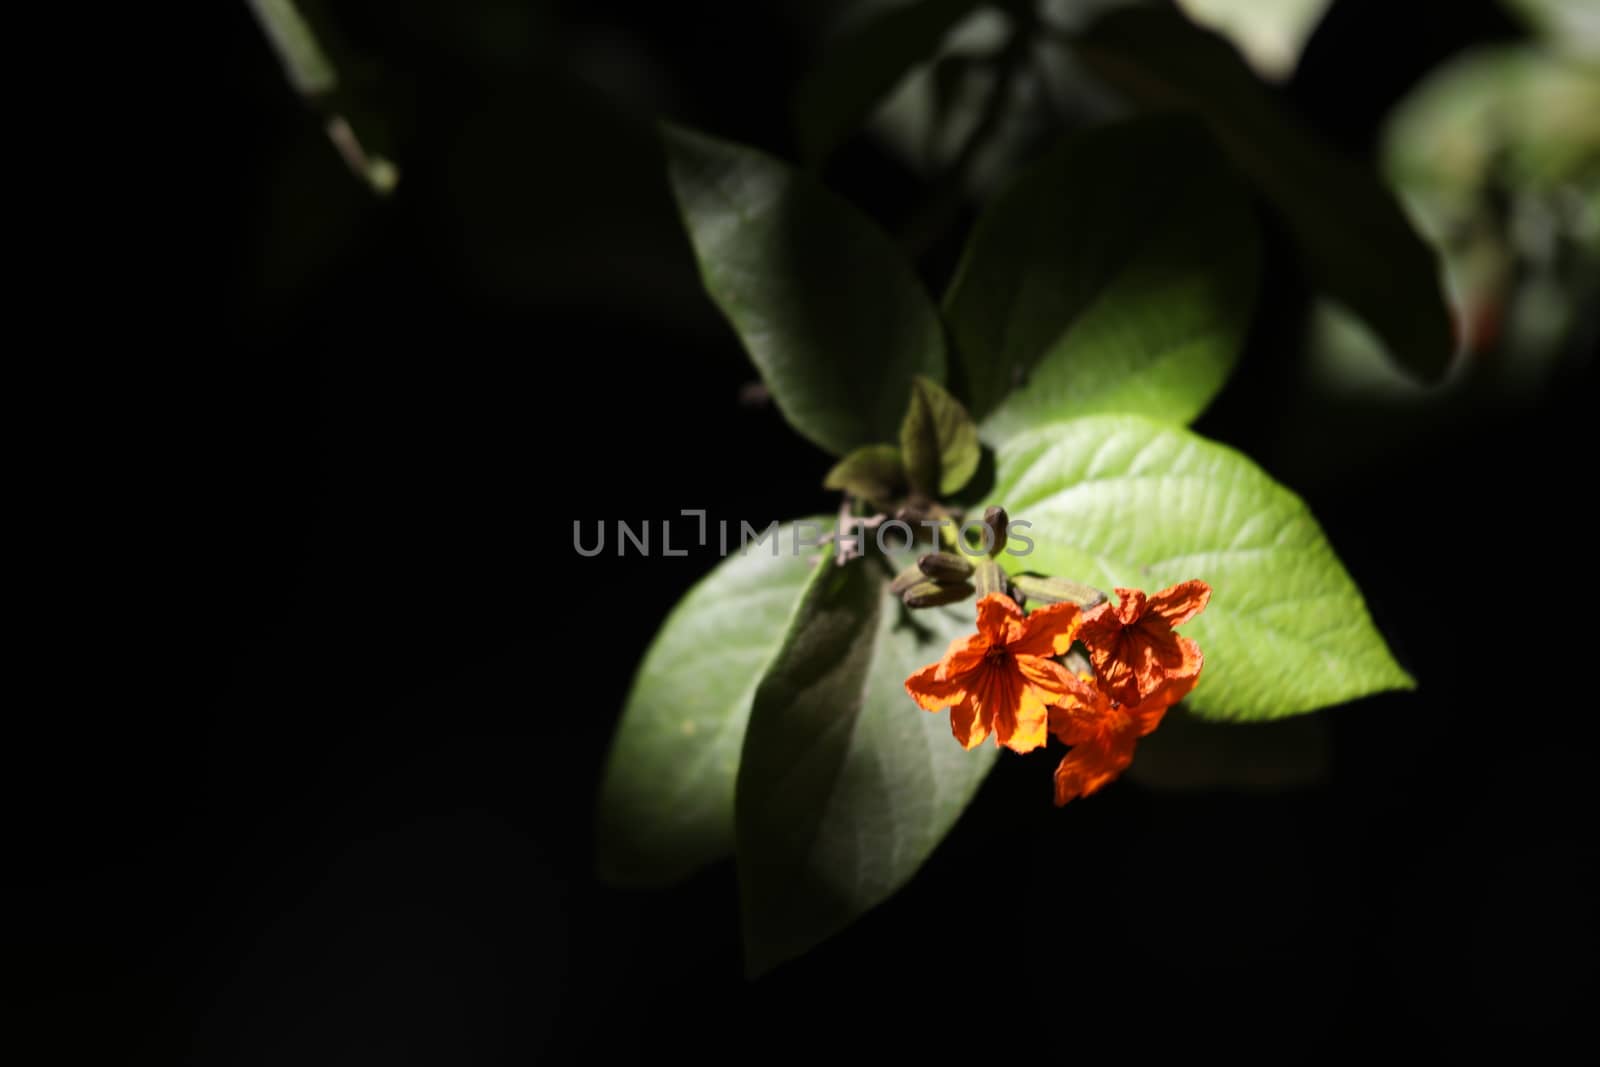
pixel 931 594
pixel 907 578
pixel 945 567
pixel 999 524
pixel 1047 590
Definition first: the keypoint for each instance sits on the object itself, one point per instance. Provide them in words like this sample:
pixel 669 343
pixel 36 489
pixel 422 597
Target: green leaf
pixel 1571 30
pixel 666 803
pixel 874 473
pixel 1270 35
pixel 938 441
pixel 829 311
pixel 1352 233
pixel 846 785
pixel 864 66
pixel 1104 284
pixel 1125 501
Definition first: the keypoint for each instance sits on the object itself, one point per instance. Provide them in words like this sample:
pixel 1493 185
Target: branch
pixel 312 75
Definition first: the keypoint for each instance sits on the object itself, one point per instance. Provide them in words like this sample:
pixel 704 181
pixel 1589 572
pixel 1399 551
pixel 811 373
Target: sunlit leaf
pixel 666 805
pixel 1270 33
pixel 1124 501
pixel 1117 275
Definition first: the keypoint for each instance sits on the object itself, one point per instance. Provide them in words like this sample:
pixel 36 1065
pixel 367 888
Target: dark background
pixel 329 693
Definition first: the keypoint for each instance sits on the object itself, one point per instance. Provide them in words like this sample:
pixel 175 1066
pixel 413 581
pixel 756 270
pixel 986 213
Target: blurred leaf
pixel 1497 154
pixel 1356 241
pixel 1124 501
pixel 846 786
pixel 1511 113
pixel 1105 284
pixel 304 63
pixel 1569 26
pixel 1188 753
pixel 934 111
pixel 938 440
pixel 666 803
pixel 830 313
pixel 856 75
pixel 1270 33
pixel 874 473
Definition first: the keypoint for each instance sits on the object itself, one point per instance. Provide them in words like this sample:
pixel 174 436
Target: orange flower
pixel 1103 734
pixel 1132 646
pixel 1003 678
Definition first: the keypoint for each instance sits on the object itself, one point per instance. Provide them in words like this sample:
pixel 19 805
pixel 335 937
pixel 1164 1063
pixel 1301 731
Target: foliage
pixel 1102 302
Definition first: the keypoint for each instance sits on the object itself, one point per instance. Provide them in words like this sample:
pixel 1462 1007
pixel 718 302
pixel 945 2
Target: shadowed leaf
pixel 829 312
pixel 938 441
pixel 864 65
pixel 1117 275
pixel 846 785
pixel 1351 231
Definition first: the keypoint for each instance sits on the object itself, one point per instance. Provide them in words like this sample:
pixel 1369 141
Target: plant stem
pixel 313 76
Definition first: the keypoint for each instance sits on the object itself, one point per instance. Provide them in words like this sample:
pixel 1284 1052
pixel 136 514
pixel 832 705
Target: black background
pixel 329 692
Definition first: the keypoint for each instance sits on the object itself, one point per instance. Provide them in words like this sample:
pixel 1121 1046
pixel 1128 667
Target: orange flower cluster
pixel 1006 678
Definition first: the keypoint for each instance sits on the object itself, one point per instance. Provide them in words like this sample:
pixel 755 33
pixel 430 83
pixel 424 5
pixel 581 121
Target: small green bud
pixel 945 567
pixel 907 578
pixel 999 523
pixel 931 594
pixel 1047 590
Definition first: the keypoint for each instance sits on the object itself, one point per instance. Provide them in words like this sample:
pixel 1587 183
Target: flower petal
pixel 1100 625
pixel 1079 724
pixel 966 722
pixel 1053 681
pixel 964 656
pixel 1146 717
pixel 1030 723
pixel 1157 654
pixel 1120 663
pixel 1177 604
pixel 1010 706
pixel 1090 767
pixel 1136 662
pixel 1130 606
pixel 999 619
pixel 996 690
pixel 1162 660
pixel 933 692
pixel 1048 631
